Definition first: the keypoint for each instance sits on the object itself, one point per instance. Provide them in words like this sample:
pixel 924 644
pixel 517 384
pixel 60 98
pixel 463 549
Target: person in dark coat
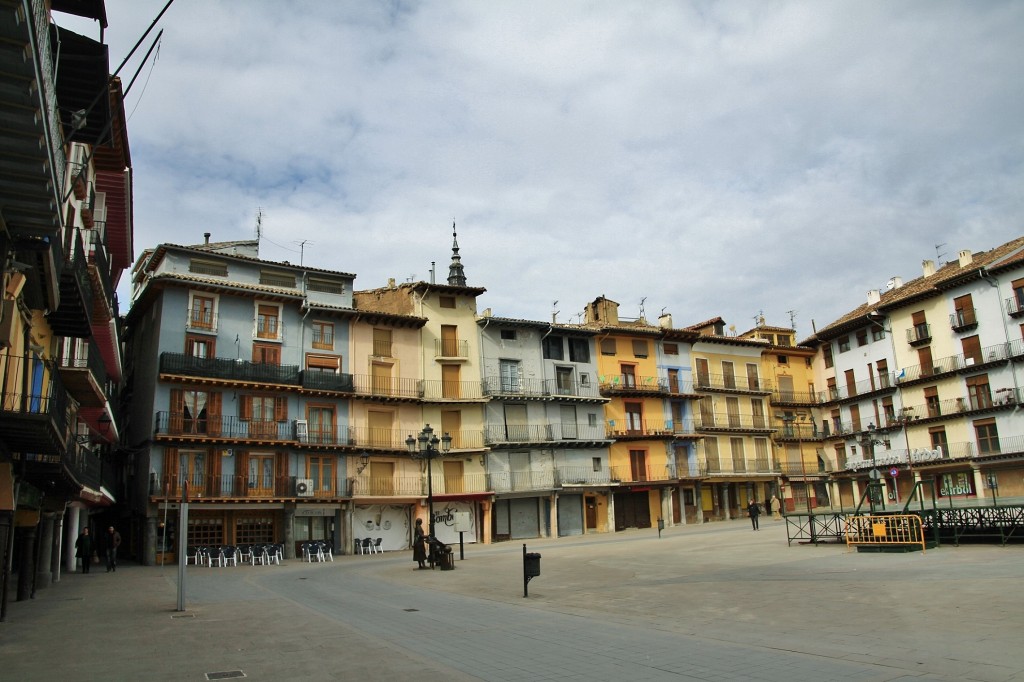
pixel 83 549
pixel 419 544
pixel 754 510
pixel 113 542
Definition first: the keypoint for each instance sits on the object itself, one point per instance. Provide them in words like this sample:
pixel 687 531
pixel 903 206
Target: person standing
pixel 776 508
pixel 83 549
pixel 754 510
pixel 419 544
pixel 113 542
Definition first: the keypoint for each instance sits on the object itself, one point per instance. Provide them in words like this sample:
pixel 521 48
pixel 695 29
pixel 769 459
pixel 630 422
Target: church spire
pixel 456 274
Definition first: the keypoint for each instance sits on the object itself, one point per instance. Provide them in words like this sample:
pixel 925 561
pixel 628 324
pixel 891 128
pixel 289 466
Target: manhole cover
pixel 226 675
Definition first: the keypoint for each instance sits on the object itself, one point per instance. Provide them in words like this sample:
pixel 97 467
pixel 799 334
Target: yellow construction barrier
pixel 881 531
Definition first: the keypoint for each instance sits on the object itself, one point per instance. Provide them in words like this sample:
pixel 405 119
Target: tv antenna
pixel 792 319
pixel 938 255
pixel 554 313
pixel 302 248
pixel 259 223
pixel 642 306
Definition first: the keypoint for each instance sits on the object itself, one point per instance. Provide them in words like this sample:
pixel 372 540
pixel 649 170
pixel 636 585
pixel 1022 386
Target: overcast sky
pixel 709 158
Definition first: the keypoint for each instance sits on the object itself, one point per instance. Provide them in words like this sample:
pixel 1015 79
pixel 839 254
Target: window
pixel 924 358
pixel 703 376
pixel 956 484
pixel 739 462
pixel 862 337
pixel 325 286
pixel 826 352
pixel 206 267
pixel 200 346
pixel 877 333
pixel 320 468
pixel 323 335
pixel 638 465
pixel 192 470
pixel 671 349
pixel 446 301
pixel 195 412
pixel 266 354
pixel 579 350
pixel 784 340
pixel 552 346
pixel 634 417
pixel 753 381
pixel 509 376
pixel 203 313
pixel 640 348
pixel 674 385
pixel 268 321
pixel 584 379
pixel 262 412
pixel 711 455
pixel 938 439
pixel 508 334
pixel 270 278
pixel 1016 304
pixel 320 424
pixel 607 346
pixel 628 375
pixel 249 530
pixel 782 359
pixel 564 380
pixel 833 391
pixel 920 331
pixel 972 350
pixel 728 375
pixel 757 412
pixel 451 346
pixel 382 343
pixel 855 417
pixel 963 312
pixel 931 401
pixel 591 419
pixel 596 462
pixel 979 392
pixel 451 381
pixel 882 369
pixel 844 344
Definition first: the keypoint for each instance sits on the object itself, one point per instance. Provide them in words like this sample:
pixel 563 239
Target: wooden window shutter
pixel 177 410
pixel 242 472
pixel 282 473
pixel 245 407
pixel 213 412
pixel 170 482
pixel 280 408
pixel 213 485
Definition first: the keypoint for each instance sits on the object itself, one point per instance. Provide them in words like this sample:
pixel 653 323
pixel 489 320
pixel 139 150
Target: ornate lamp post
pixel 796 421
pixel 424 446
pixel 868 443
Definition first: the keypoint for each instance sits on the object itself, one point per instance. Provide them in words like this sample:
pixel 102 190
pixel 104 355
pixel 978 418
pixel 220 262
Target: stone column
pixel 855 488
pixel 552 515
pixel 289 531
pixel 45 549
pixel 727 508
pixel 981 485
pixel 151 540
pixel 27 571
pixel 72 529
pixel 56 546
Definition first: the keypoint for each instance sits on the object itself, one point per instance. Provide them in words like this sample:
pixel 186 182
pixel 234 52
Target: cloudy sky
pixel 707 158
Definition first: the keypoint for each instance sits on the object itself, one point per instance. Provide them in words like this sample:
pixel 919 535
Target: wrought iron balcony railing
pixel 228 370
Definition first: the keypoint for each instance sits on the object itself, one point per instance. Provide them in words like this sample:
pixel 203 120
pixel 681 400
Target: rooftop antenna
pixel 554 313
pixel 302 248
pixel 642 306
pixel 259 223
pixel 939 256
pixel 792 319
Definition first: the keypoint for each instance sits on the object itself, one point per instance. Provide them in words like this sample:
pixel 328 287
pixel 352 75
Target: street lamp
pixel 424 446
pixel 868 443
pixel 790 420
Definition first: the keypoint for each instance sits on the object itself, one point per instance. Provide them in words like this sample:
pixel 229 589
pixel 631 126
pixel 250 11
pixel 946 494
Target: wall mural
pixel 390 522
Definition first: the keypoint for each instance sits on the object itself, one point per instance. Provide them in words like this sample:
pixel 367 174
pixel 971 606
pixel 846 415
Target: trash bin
pixel 531 564
pixel 446 558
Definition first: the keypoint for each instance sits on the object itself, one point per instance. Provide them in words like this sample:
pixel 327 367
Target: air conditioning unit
pixel 302 430
pixel 304 487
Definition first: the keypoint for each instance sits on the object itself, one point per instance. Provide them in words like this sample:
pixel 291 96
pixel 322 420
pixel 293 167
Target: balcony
pixel 719 421
pixel 78 463
pixel 441 390
pixel 73 316
pixel 877 385
pixel 85 376
pixel 738 465
pixel 730 383
pixel 201 320
pixel 638 429
pixel 32 160
pixel 796 398
pixel 963 320
pixel 227 370
pixel 794 467
pixel 1015 305
pixel 919 334
pixel 516 481
pixel 549 434
pixel 204 486
pixel 631 385
pixel 956 407
pixel 388 388
pixel 960 363
pixel 643 474
pixel 797 432
pixel 33 407
pixel 99 273
pixel 328 382
pixel 389 486
pixel 515 387
pixel 451 349
pixel 181 426
pixel 581 475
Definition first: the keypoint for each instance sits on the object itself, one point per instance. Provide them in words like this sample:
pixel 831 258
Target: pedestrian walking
pixel 83 549
pixel 754 510
pixel 776 508
pixel 113 542
pixel 419 544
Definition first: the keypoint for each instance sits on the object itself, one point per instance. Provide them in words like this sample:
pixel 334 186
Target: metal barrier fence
pixel 881 531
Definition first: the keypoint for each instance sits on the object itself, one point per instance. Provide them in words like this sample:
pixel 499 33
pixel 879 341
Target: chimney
pixel 874 297
pixel 206 236
pixel 391 282
pixel 894 283
pixel 929 267
pixel 965 258
pixel 665 320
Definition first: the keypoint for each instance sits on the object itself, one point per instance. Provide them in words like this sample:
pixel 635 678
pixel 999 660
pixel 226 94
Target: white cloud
pixel 715 158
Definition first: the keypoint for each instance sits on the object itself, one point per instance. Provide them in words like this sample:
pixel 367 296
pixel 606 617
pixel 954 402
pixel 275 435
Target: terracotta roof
pixel 210 251
pixel 1001 257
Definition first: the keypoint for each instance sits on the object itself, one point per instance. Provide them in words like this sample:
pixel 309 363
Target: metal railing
pixel 222 427
pixel 22 410
pixel 796 397
pixel 440 389
pixel 451 348
pixel 582 475
pixel 203 485
pixel 541 433
pixel 955 363
pixel 879 382
pixel 512 481
pixel 650 472
pixel 919 333
pixel 640 428
pixel 732 382
pixel 228 369
pixel 612 383
pixel 963 318
pixel 741 422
